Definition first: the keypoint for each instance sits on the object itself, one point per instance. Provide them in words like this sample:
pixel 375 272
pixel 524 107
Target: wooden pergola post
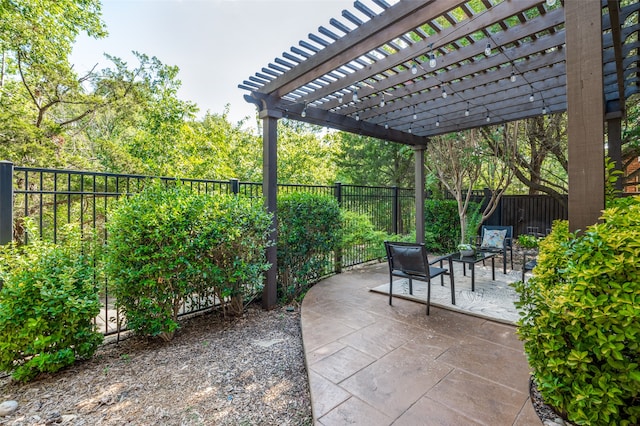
pixel 585 108
pixel 419 188
pixel 270 194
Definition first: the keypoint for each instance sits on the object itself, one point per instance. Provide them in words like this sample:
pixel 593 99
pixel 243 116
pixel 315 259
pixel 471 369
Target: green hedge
pixel 47 304
pixel 309 232
pixel 171 246
pixel 580 319
pixel 442 224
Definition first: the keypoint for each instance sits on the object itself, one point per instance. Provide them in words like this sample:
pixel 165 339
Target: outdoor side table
pixel 472 260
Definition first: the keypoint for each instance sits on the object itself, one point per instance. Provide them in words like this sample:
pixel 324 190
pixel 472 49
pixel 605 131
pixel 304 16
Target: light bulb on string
pixel 304 111
pixel 355 95
pixel 340 99
pixel 382 101
pixel 432 60
pixel 438 122
pixel 487 50
pixel 414 68
pixel 410 131
pixel 466 112
pixel 531 97
pixel 444 93
pixel 544 110
pixel 357 117
pixel 386 125
pixel 513 77
pixel 488 118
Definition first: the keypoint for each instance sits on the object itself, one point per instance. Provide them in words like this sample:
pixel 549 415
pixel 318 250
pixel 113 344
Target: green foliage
pixel 359 234
pixel 309 231
pixel 580 319
pixel 528 241
pixel 366 161
pixel 47 304
pixel 611 176
pixel 442 224
pixel 168 246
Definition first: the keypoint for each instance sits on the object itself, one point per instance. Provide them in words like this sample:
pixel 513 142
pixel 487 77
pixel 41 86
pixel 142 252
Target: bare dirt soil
pixel 242 371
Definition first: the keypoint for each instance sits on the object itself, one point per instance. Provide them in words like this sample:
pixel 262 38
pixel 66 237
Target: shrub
pixel 442 224
pixel 47 304
pixel 170 246
pixel 309 230
pixel 359 234
pixel 580 319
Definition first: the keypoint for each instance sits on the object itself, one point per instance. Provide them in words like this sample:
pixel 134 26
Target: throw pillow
pixel 493 238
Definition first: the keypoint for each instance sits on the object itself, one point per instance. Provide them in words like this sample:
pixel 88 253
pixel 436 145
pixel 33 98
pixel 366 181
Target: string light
pixel 444 93
pixel 382 101
pixel 513 77
pixel 487 50
pixel 355 95
pixel 340 99
pixel 531 98
pixel 414 68
pixel 466 112
pixel 357 117
pixel 386 125
pixel 304 111
pixel 488 118
pixel 432 58
pixel 410 131
pixel 438 122
pixel 544 110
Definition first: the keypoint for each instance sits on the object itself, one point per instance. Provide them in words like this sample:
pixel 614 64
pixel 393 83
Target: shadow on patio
pixel 374 364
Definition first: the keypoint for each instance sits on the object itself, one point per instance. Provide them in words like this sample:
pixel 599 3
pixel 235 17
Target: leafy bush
pixel 359 234
pixel 580 319
pixel 309 230
pixel 528 241
pixel 442 224
pixel 170 246
pixel 47 304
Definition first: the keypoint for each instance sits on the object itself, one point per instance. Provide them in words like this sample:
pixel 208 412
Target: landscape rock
pixel 8 407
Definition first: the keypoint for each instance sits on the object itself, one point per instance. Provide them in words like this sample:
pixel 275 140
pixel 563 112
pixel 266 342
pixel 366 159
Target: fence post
pixel 235 186
pixel 394 209
pixel 6 202
pixel 338 251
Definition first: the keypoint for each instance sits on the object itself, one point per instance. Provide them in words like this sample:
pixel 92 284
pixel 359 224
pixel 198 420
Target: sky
pixel 217 44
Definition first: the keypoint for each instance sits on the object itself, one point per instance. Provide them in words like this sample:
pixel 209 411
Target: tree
pixel 367 161
pixel 540 158
pixel 463 161
pixel 40 94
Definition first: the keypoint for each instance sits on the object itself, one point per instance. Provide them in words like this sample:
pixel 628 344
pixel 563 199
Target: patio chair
pixel 409 261
pixel 496 239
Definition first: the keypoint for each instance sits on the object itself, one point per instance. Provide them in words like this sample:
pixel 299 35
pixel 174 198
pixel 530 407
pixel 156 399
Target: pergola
pixel 419 68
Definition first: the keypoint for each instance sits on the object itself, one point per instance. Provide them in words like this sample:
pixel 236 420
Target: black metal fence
pixel 53 198
pixel 57 197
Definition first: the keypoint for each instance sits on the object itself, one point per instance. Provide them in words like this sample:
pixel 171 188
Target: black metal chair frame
pixel 507 244
pixel 409 261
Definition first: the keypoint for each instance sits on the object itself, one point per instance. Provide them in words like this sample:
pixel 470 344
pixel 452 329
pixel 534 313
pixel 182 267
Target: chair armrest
pixel 508 242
